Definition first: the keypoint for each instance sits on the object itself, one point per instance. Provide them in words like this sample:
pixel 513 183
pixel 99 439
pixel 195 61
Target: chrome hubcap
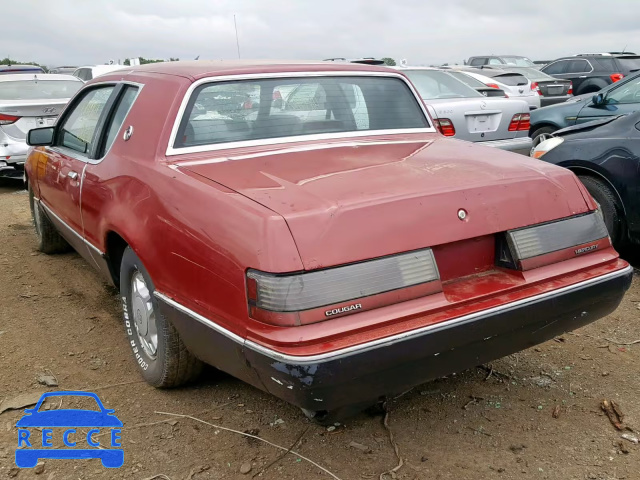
pixel 144 318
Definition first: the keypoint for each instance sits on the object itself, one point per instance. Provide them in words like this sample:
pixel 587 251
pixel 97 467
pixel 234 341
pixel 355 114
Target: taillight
pixel 248 105
pixel 8 119
pixel 570 91
pixel 520 122
pixel 277 95
pixel 492 85
pixel 445 127
pixel 616 77
pixel 536 88
pixel 547 243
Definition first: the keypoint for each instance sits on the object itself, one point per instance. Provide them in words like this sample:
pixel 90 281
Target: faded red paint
pixel 198 228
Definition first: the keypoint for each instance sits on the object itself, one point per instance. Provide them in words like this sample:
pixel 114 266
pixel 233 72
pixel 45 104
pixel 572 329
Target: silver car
pixel 29 101
pixel 460 111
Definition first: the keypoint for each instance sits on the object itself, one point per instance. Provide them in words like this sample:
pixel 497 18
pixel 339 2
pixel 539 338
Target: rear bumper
pixel 546 101
pixel 13 167
pixel 364 373
pixel 521 145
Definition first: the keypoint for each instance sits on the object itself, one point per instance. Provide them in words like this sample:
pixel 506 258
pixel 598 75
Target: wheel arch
pixel 586 171
pixel 538 126
pixel 115 245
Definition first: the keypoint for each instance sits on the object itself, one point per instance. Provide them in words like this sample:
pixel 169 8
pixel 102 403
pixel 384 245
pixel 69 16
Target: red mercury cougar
pixel 303 227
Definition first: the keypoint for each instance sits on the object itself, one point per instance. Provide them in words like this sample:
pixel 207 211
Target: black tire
pixel 609 206
pixel 538 135
pixel 172 364
pixel 48 238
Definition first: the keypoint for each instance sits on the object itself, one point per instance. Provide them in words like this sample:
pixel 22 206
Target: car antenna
pixel 625 48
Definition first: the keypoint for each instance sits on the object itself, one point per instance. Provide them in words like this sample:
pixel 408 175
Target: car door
pixel 95 193
pixel 620 100
pixel 577 71
pixel 556 69
pixel 63 164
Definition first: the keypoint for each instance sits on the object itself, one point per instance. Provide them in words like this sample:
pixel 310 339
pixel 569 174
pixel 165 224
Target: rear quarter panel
pixel 195 237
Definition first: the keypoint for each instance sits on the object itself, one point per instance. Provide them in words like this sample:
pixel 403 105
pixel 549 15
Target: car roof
pixel 12 77
pixel 34 68
pixel 196 69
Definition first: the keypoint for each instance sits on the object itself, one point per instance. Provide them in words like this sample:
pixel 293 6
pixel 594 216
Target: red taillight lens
pixel 248 105
pixel 520 122
pixel 492 85
pixel 277 95
pixel 535 88
pixel 445 127
pixel 616 77
pixel 570 91
pixel 8 119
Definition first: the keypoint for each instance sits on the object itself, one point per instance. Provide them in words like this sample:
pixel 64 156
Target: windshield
pixel 221 112
pixel 432 84
pixel 518 61
pixel 38 89
pixel 630 64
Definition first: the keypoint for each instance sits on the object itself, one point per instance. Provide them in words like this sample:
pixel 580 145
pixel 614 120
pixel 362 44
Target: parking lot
pixel 533 415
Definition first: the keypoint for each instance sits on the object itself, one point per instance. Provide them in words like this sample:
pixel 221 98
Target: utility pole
pixel 237 41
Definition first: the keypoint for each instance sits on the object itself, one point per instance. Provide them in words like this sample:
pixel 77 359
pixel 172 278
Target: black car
pixel 591 72
pixel 605 155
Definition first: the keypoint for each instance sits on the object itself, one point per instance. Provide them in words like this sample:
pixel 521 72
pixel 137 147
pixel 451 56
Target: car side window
pixel 78 130
pixel 555 68
pixel 306 98
pixel 476 62
pixel 626 93
pixel 578 66
pixel 495 61
pixel 114 124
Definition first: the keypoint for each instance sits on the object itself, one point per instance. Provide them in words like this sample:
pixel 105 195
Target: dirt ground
pixel 58 316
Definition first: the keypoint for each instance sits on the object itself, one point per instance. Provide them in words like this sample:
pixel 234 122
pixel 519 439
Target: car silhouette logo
pixel 67 425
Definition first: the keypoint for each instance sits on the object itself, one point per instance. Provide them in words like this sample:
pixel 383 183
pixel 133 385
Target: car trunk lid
pixel 356 201
pixel 478 119
pixel 554 88
pixel 31 114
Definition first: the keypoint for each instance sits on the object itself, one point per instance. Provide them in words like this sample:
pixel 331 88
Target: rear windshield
pixel 243 110
pixel 533 74
pixel 38 89
pixel 629 64
pixel 511 79
pixel 433 84
pixel 518 61
pixel 472 82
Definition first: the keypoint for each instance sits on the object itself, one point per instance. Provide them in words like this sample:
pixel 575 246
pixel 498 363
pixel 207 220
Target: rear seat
pixel 277 125
pixel 205 131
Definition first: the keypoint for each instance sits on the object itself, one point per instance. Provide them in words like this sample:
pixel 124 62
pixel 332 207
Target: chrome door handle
pixel 72 175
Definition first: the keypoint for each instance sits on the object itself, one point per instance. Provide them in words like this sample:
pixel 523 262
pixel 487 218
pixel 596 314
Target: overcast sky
pixel 76 32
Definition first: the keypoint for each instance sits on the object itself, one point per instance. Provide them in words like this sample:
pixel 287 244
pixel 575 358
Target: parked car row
pixel 325 244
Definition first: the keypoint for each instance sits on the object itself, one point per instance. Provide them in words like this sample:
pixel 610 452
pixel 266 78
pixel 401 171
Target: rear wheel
pixel 609 206
pixel 49 240
pixel 162 358
pixel 541 134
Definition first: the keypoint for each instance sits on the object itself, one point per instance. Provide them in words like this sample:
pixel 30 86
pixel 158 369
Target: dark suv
pixel 591 72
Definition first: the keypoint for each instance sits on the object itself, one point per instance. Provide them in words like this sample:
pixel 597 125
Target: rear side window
pixel 79 128
pixel 242 110
pixel 556 68
pixel 476 62
pixel 118 116
pixel 578 66
pixel 606 64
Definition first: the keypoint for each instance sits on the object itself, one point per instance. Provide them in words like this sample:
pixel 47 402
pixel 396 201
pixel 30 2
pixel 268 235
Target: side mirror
pixel 598 99
pixel 40 136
